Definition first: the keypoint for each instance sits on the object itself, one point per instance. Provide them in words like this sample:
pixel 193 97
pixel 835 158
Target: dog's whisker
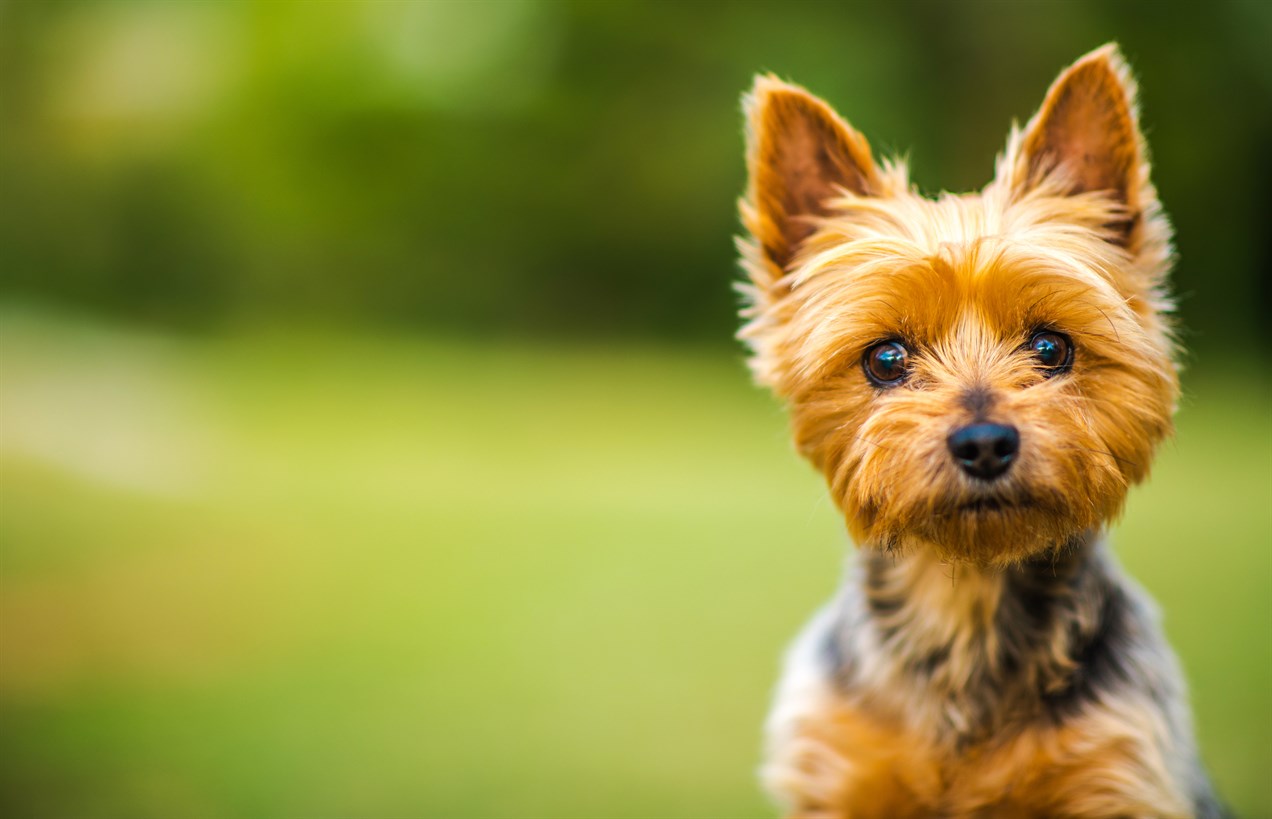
pixel 1119 459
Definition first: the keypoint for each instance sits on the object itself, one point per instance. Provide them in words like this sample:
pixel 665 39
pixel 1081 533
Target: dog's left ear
pixel 1087 131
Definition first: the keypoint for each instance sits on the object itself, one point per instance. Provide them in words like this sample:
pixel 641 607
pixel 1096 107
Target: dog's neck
pixel 974 649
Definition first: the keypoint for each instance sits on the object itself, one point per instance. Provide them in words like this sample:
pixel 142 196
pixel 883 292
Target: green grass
pixel 317 574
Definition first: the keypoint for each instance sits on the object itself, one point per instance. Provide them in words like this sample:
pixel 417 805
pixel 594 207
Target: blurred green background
pixel 372 440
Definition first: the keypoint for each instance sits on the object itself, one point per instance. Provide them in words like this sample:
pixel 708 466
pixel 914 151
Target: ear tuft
pixel 1087 130
pixel 800 153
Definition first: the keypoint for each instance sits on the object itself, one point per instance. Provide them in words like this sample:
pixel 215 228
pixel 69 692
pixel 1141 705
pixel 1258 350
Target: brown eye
pixel 886 363
pixel 1054 352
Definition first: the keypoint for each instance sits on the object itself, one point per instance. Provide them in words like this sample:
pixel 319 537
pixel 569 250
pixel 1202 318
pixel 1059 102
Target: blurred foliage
pixel 556 167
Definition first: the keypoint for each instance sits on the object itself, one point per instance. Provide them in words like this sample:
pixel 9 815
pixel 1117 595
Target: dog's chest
pixel 853 764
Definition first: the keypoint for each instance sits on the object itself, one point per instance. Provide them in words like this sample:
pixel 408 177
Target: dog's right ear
pixel 800 154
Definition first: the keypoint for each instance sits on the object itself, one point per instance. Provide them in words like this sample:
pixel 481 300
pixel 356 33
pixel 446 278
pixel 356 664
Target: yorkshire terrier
pixel 980 378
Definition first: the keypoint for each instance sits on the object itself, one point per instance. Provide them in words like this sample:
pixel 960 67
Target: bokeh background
pixel 372 439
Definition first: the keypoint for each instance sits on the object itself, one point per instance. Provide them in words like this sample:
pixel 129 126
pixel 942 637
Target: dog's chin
pixel 988 531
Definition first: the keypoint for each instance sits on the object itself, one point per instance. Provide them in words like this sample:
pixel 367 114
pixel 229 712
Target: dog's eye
pixel 1054 351
pixel 886 363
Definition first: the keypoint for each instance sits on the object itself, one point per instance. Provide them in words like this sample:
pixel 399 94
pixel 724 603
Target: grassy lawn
pixel 322 574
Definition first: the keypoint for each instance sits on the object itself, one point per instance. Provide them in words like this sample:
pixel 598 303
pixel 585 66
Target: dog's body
pixel 980 378
pixel 1043 691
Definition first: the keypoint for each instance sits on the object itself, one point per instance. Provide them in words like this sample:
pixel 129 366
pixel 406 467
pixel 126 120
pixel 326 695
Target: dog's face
pixel 983 375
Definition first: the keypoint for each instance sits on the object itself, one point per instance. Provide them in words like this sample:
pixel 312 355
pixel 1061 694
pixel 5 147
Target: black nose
pixel 984 451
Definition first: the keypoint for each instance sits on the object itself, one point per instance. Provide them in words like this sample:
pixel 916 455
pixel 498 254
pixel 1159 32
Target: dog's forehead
pixel 962 243
pixel 875 271
pixel 935 224
pixel 953 221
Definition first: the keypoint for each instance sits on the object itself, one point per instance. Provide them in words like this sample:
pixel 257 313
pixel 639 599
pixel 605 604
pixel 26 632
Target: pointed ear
pixel 1087 129
pixel 799 155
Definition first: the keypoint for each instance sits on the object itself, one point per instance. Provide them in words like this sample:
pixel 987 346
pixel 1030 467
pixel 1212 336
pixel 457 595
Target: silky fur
pixel 980 661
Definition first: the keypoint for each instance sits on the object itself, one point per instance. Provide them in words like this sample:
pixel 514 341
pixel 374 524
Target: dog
pixel 980 378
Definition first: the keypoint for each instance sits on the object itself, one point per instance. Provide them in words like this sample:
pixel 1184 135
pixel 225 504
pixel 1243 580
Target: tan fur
pixel 847 762
pixel 957 674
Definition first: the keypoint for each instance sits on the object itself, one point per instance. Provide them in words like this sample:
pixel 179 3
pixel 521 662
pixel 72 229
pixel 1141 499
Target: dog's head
pixel 987 374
